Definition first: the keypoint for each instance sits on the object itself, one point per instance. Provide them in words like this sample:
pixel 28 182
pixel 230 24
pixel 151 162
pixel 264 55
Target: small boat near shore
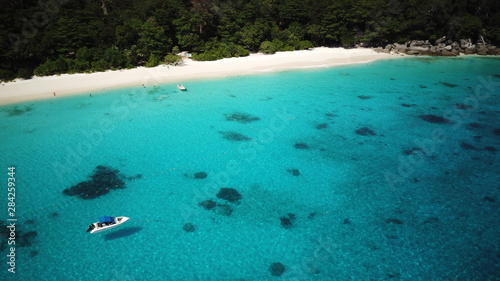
pixel 181 87
pixel 106 223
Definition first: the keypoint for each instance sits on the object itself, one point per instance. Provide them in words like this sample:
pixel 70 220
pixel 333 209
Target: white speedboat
pixel 106 223
pixel 181 87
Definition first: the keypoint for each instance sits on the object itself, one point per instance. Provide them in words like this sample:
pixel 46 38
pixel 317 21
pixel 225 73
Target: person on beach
pixel 54 94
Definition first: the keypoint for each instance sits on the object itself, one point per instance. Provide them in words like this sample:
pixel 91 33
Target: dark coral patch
pixel 394 221
pixel 467 146
pixel 200 175
pixel 422 86
pixel 241 117
pixel 463 106
pixel 434 119
pixel 496 132
pixel 491 148
pixel 224 209
pixel 102 181
pixel 189 227
pixel 17 111
pixel 431 220
pixel 411 151
pixel 322 126
pixel 364 97
pixel 294 172
pixel 134 178
pixel 229 194
pixel 33 253
pixel 489 199
pixel 277 269
pixel 392 274
pixel 450 85
pixel 408 105
pixel 233 136
pixel 27 238
pixel 365 132
pixel 301 145
pixel 54 215
pixel 207 204
pixel 473 125
pixel 331 115
pixel 287 221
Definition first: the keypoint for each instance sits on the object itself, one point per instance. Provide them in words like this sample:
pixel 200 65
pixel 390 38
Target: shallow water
pixel 378 191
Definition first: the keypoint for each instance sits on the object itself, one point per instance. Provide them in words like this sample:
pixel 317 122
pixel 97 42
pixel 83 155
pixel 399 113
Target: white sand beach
pixel 70 84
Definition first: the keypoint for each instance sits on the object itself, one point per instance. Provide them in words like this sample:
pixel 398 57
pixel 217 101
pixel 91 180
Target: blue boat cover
pixel 106 219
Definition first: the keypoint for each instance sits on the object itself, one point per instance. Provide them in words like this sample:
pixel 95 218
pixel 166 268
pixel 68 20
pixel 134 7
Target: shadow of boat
pixel 124 232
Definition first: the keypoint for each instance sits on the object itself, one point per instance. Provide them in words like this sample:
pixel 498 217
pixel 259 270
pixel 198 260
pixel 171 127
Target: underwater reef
pixel 224 209
pixel 474 125
pixel 301 145
pixel 287 221
pixel 365 132
pixel 467 146
pixel 322 126
pixel 462 106
pixel 241 117
pixel 412 151
pixel 277 269
pixel 234 136
pixel 229 194
pixel 294 172
pixel 208 204
pixel 200 175
pixel 23 239
pixel 16 111
pixel 101 182
pixel 449 85
pixel 434 119
pixel 189 227
pixel 362 97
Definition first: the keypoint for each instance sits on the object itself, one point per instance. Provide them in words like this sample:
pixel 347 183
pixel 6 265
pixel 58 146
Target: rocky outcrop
pixel 441 47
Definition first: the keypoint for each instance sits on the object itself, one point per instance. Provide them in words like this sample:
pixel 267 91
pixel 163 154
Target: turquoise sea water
pixel 374 191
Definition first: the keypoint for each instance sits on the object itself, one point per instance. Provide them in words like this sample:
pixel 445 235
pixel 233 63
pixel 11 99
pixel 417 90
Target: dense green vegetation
pixel 59 36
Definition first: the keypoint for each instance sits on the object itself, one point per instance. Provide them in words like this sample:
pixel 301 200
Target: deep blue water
pixel 386 171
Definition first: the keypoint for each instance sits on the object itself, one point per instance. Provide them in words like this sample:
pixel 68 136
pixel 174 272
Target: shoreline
pixel 42 88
